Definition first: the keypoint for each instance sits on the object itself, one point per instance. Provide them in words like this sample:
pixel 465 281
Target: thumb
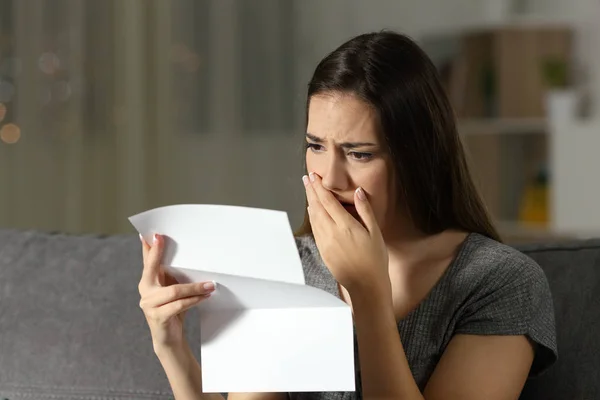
pixel 152 267
pixel 365 211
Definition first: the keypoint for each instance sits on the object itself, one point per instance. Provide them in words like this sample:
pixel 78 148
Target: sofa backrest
pixel 573 272
pixel 70 322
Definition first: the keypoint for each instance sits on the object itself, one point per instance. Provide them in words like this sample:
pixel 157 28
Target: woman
pixel 395 227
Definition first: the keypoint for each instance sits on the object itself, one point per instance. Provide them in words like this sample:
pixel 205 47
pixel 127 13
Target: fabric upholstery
pixel 573 271
pixel 70 322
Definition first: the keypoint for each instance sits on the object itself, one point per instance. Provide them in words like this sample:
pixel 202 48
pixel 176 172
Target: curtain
pixel 108 108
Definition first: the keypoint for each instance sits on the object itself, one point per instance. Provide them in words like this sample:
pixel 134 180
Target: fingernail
pixel 305 180
pixel 209 286
pixel 312 176
pixel 361 194
pixel 155 239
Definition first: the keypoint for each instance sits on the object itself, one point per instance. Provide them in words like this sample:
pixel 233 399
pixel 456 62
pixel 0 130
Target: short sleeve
pixel 514 299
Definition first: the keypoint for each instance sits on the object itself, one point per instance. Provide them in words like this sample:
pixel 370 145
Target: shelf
pixel 502 126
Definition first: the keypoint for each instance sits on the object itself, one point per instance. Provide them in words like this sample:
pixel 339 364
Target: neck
pixel 409 248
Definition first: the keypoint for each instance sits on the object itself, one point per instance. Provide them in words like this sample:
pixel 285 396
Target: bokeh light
pixel 192 62
pixel 49 63
pixel 182 55
pixel 179 52
pixel 10 133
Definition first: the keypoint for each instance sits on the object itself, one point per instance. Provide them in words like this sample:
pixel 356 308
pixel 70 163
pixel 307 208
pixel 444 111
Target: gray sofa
pixel 71 328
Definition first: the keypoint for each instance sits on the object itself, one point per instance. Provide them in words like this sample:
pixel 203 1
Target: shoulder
pixel 495 273
pixel 507 293
pixel 485 263
pixel 489 271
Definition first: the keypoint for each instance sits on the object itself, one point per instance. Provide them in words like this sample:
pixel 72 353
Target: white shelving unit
pixel 574 147
pixel 572 159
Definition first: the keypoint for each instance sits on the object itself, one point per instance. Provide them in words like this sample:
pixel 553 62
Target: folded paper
pixel 264 329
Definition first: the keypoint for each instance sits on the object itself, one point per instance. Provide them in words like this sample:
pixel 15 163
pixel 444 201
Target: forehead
pixel 341 117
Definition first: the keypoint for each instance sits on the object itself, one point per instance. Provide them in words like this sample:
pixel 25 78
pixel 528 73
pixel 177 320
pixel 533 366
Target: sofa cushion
pixel 573 271
pixel 70 322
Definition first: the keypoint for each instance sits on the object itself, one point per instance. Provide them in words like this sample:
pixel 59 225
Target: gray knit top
pixel 489 289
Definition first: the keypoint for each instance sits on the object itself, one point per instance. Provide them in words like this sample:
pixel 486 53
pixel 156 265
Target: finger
pixel 318 229
pixel 318 213
pixel 365 211
pixel 152 264
pixel 172 293
pixel 333 207
pixel 176 307
pixel 145 248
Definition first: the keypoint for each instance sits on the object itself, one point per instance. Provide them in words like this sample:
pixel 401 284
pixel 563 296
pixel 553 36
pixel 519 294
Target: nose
pixel 335 175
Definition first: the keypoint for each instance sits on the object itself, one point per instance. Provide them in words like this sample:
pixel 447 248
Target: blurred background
pixel 112 107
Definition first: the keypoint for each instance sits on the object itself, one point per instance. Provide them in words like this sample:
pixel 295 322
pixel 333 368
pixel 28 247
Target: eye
pixel 360 156
pixel 314 147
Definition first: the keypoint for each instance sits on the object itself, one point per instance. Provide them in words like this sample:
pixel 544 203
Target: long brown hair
pixel 391 73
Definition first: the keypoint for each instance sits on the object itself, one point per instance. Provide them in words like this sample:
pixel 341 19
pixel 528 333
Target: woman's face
pixel 346 150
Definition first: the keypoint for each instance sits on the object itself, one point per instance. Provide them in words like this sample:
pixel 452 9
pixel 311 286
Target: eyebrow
pixel 345 145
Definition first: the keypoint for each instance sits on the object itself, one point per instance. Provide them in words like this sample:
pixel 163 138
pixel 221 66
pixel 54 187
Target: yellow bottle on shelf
pixel 534 203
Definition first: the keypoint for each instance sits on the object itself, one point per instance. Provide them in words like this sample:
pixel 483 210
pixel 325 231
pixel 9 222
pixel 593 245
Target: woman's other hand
pixel 164 301
pixel 354 252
